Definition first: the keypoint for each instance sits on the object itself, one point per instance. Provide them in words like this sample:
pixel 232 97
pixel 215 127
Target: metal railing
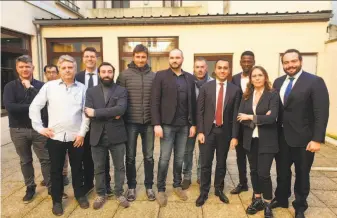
pixel 69 4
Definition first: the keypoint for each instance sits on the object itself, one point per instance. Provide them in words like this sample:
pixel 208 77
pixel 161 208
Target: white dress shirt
pixel 94 77
pixel 65 110
pixel 256 131
pixel 286 82
pixel 244 82
pixel 218 86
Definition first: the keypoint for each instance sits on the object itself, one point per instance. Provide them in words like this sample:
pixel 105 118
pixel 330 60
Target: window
pixel 172 3
pixel 309 63
pixel 159 48
pixel 120 4
pixel 212 58
pixel 94 4
pixel 73 47
pixel 70 4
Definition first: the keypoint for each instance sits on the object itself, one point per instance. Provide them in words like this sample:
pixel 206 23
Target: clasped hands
pixel 242 117
pixel 90 112
pixel 49 133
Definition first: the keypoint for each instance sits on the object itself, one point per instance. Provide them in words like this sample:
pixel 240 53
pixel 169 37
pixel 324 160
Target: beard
pixel 177 66
pixel 297 69
pixel 107 81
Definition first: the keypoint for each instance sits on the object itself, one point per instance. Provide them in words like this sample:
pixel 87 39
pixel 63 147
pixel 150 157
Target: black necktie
pixel 91 81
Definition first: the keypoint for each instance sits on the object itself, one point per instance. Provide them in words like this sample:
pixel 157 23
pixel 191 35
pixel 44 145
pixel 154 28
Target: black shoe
pixel 57 209
pixel 201 200
pixel 222 196
pixel 255 206
pixel 240 188
pixel 83 202
pixel 109 191
pixel 275 204
pixel 65 181
pixel 185 184
pixel 268 213
pixel 30 192
pixel 64 195
pixel 299 215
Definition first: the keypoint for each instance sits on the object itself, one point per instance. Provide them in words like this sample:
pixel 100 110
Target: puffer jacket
pixel 138 82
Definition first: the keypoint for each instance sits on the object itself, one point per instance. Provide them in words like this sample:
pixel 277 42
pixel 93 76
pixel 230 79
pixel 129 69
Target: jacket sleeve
pixel 247 123
pixel 236 124
pixel 117 110
pixel 320 102
pixel 9 100
pixel 201 110
pixel 121 80
pixel 156 100
pixel 194 104
pixel 273 107
pixel 85 120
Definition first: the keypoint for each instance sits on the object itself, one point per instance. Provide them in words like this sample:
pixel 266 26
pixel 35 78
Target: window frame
pixel 172 4
pixel 27 51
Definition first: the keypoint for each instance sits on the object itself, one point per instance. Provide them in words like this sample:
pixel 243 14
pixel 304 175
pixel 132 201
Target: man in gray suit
pixel 105 104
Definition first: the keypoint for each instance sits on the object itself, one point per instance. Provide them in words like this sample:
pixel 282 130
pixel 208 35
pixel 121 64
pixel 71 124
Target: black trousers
pixel 88 166
pixel 241 162
pixel 303 161
pixel 57 151
pixel 260 165
pixel 215 141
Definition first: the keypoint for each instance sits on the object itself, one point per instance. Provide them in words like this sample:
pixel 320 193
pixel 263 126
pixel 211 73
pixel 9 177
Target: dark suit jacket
pixel 164 98
pixel 306 113
pixel 105 113
pixel 206 106
pixel 80 76
pixel 236 80
pixel 267 125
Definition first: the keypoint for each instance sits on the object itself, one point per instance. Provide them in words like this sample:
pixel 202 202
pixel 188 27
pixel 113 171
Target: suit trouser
pixel 303 161
pixel 57 151
pixel 260 165
pixel 88 165
pixel 241 162
pixel 215 141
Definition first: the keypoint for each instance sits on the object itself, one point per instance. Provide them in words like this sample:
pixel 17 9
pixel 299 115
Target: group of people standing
pixel 82 116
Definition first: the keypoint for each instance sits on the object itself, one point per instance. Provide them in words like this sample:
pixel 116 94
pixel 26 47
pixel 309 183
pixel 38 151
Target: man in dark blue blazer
pixel 303 118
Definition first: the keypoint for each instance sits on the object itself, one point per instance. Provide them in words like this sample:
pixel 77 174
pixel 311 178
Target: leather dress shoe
pixel 201 200
pixel 275 204
pixel 239 188
pixel 222 196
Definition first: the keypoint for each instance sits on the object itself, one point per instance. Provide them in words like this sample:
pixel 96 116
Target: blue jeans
pixel 175 138
pixel 188 159
pixel 147 134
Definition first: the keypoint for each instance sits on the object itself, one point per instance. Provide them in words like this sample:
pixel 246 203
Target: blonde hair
pixel 68 58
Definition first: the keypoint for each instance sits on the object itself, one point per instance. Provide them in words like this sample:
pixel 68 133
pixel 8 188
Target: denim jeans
pixel 175 138
pixel 147 135
pixel 188 159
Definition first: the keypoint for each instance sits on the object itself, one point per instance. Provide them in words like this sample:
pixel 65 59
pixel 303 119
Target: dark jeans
pixel 303 161
pixel 57 151
pixel 215 141
pixel 175 138
pixel 260 165
pixel 88 165
pixel 242 163
pixel 99 153
pixel 147 134
pixel 188 159
pixel 23 140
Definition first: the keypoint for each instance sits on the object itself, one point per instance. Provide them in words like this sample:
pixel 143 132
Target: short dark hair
pixel 92 49
pixel 221 59
pixel 140 48
pixel 24 58
pixel 105 64
pixel 50 66
pixel 248 53
pixel 292 50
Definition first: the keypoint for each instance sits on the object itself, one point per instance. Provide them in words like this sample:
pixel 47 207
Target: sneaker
pixel 57 209
pixel 255 206
pixel 99 202
pixel 109 192
pixel 83 202
pixel 131 194
pixel 65 181
pixel 268 213
pixel 150 195
pixel 162 199
pixel 180 193
pixel 185 184
pixel 30 192
pixel 42 183
pixel 123 201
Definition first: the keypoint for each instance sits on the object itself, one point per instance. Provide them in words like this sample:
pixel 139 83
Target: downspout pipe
pixel 39 51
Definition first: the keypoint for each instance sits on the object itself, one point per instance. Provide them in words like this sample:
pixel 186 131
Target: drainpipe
pixel 39 51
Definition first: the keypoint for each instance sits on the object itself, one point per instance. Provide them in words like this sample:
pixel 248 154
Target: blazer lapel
pixel 261 98
pixel 111 91
pixel 213 94
pixel 298 84
pixel 228 94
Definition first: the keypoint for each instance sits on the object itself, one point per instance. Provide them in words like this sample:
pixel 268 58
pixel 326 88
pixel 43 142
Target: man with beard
pixel 173 115
pixel 303 118
pixel 201 77
pixel 105 104
pixel 137 79
pixel 241 79
pixel 90 78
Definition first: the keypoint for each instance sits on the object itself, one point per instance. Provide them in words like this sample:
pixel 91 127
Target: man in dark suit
pixel 173 115
pixel 217 109
pixel 303 117
pixel 247 61
pixel 105 104
pixel 89 77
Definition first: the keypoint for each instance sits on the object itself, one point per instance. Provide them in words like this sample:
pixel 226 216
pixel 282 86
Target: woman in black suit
pixel 258 113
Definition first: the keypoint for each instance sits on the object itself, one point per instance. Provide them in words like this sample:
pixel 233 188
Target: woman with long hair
pixel 258 113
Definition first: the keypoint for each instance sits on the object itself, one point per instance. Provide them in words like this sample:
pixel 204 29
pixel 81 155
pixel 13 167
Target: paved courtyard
pixel 322 199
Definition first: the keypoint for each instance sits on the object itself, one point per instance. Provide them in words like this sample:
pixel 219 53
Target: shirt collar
pixel 182 72
pixel 60 81
pixel 297 75
pixel 94 72
pixel 218 82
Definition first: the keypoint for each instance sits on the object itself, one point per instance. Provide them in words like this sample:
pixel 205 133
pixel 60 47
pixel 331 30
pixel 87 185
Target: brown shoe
pixel 123 201
pixel 185 184
pixel 99 202
pixel 180 193
pixel 162 199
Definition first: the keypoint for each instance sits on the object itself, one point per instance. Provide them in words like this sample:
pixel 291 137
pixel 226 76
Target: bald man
pixel 173 116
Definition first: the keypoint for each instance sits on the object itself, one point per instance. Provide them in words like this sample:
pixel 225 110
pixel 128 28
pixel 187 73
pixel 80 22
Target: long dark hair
pixel 250 87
